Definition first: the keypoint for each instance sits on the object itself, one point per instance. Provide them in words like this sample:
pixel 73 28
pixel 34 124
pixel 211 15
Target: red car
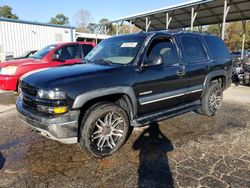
pixel 50 56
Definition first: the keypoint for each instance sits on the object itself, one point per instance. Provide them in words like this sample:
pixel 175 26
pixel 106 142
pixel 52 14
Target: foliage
pixel 59 19
pixel 6 11
pixel 214 29
pixel 234 33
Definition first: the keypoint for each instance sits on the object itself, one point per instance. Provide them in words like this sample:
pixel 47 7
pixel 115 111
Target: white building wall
pixel 17 38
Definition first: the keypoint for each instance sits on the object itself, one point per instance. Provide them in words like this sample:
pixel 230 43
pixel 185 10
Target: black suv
pixel 127 81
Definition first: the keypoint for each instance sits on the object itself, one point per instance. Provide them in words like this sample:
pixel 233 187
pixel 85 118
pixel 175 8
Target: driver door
pixel 69 54
pixel 162 86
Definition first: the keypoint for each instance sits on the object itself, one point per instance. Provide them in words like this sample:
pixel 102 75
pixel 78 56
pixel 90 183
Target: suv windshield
pixel 43 52
pixel 118 50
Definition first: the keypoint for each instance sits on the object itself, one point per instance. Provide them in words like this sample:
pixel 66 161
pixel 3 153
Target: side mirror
pixel 56 57
pixel 155 60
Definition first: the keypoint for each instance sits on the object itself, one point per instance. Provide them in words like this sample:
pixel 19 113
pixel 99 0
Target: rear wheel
pixel 212 100
pixel 104 129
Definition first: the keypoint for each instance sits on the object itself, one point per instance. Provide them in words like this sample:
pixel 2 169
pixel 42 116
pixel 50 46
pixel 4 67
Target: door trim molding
pixel 168 95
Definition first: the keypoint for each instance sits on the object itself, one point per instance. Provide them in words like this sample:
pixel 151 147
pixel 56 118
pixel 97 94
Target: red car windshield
pixel 43 52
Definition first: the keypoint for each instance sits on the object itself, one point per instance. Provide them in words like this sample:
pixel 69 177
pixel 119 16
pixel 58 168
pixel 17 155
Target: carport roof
pixel 208 12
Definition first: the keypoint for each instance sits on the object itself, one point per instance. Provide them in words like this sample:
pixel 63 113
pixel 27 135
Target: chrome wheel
pixel 108 131
pixel 215 100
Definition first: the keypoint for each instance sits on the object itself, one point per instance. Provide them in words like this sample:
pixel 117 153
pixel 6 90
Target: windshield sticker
pixel 129 45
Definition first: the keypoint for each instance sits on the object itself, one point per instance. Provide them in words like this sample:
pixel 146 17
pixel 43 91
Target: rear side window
pixel 87 48
pixel 193 50
pixel 217 47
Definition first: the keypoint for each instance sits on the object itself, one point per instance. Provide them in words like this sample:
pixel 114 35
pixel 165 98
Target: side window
pixel 165 48
pixel 69 52
pixel 86 48
pixel 193 50
pixel 217 47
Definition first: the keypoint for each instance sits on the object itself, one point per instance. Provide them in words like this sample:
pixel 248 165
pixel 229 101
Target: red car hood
pixel 19 62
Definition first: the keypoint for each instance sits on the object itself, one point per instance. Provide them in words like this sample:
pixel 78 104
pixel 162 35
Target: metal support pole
pixel 117 29
pixel 243 38
pixel 226 10
pixel 131 27
pixel 193 16
pixel 168 20
pixel 105 30
pixel 147 24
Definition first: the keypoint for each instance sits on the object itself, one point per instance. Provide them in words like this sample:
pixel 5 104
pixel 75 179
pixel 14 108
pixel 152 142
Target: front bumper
pixel 62 128
pixel 8 83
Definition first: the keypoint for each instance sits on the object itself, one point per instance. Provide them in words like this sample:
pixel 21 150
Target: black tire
pixel 211 100
pixel 100 122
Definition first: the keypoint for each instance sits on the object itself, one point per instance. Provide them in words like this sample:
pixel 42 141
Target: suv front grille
pixel 29 90
pixel 29 102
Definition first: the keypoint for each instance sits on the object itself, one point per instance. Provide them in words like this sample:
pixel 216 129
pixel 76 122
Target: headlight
pixel 10 70
pixel 53 95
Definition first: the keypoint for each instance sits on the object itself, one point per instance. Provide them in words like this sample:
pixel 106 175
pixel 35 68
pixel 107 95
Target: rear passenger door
pixel 197 63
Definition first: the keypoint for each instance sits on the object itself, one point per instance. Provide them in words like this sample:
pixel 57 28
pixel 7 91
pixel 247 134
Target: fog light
pixel 60 110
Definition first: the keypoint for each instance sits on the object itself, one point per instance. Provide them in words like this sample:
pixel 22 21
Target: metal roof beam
pixel 237 8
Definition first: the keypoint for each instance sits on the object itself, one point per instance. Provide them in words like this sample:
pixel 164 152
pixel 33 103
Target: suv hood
pixel 19 62
pixel 56 78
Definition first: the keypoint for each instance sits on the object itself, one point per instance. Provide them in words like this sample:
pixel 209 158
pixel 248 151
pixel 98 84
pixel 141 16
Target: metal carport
pixel 190 14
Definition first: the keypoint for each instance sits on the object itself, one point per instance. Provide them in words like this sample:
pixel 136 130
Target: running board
pixel 166 114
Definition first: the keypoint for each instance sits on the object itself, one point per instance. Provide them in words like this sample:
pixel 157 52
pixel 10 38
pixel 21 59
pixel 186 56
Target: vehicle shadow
pixel 2 161
pixel 154 169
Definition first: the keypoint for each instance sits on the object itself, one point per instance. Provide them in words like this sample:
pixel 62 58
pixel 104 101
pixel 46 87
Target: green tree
pixel 6 11
pixel 59 19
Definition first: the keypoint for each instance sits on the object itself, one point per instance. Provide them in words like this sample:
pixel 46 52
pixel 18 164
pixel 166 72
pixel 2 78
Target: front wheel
pixel 212 99
pixel 104 129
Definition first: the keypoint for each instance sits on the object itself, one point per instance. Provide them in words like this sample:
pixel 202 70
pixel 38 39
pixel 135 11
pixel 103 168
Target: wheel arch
pixel 120 95
pixel 220 75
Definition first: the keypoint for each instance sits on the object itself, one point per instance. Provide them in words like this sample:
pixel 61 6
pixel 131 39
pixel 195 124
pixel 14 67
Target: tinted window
pixel 165 48
pixel 69 52
pixel 217 47
pixel 192 49
pixel 87 48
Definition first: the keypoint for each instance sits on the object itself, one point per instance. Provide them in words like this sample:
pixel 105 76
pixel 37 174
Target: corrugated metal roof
pixel 35 23
pixel 209 12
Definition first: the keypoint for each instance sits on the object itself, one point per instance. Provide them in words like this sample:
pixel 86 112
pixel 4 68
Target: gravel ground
pixel 186 151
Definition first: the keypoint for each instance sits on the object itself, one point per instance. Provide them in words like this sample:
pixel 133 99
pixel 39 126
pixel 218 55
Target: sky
pixel 43 10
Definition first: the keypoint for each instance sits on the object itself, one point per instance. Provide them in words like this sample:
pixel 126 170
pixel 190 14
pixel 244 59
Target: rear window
pixel 217 47
pixel 193 49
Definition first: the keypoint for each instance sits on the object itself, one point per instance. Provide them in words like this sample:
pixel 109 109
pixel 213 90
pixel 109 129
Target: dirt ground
pixel 186 151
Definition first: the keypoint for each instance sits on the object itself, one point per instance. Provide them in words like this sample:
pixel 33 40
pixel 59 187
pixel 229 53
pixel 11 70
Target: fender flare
pixel 126 90
pixel 212 75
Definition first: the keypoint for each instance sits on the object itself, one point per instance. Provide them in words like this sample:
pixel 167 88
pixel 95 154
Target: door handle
pixel 180 72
